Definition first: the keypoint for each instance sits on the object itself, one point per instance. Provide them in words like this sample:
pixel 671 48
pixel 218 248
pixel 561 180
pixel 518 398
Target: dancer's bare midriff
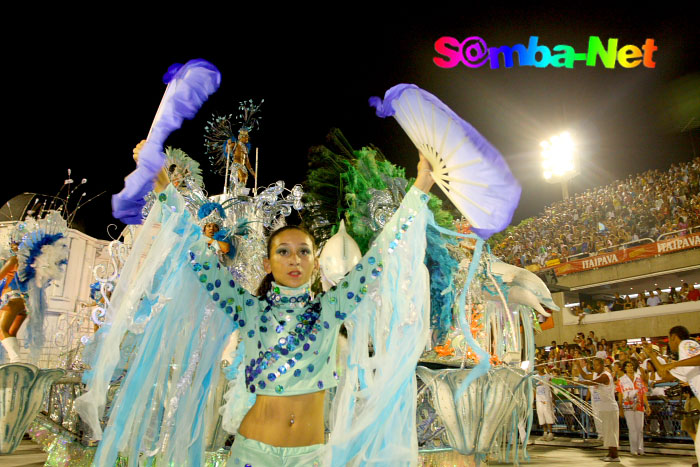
pixel 286 421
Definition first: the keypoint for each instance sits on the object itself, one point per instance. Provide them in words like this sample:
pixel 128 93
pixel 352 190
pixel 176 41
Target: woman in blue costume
pixel 13 311
pixel 290 342
pixel 289 338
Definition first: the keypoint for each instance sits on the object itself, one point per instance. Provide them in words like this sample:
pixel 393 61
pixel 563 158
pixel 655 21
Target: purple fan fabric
pixel 504 190
pixel 191 85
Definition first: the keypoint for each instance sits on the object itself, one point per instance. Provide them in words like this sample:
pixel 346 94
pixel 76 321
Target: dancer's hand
pixel 161 180
pixel 424 180
pixel 137 150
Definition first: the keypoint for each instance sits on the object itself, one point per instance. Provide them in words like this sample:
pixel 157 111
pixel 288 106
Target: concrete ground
pixel 552 454
pixel 27 454
pixel 576 454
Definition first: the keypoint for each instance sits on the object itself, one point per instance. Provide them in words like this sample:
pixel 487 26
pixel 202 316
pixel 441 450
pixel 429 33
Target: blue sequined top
pixel 290 338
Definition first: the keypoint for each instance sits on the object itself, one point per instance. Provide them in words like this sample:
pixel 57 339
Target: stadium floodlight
pixel 559 160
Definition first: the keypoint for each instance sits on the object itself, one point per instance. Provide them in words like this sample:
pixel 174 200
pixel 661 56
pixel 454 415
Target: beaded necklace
pixel 301 334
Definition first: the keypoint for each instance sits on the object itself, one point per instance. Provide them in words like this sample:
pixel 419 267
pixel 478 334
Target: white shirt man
pixel 605 405
pixel 653 299
pixel 690 374
pixel 686 369
pixel 544 404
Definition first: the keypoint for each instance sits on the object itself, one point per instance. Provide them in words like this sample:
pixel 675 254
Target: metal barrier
pixel 608 249
pixel 692 229
pixel 661 425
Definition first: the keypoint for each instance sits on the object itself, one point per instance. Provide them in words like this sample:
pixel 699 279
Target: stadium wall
pixel 618 325
pixel 644 267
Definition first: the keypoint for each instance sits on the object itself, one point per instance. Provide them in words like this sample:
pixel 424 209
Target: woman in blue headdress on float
pixel 38 251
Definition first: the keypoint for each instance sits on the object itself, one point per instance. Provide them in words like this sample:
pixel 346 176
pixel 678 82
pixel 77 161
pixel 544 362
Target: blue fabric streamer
pixel 442 267
pixel 484 358
pixel 190 85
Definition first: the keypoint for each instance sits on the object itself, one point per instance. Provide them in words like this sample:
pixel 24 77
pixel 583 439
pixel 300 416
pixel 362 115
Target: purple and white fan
pixel 468 169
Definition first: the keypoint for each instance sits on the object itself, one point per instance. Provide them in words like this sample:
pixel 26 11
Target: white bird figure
pixel 524 286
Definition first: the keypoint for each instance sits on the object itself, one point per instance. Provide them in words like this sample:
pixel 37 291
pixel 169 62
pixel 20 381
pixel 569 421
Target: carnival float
pixel 471 390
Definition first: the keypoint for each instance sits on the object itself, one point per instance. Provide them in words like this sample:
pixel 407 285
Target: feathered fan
pixel 470 171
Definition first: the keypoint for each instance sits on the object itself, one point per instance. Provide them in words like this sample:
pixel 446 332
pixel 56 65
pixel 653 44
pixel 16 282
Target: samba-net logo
pixel 473 53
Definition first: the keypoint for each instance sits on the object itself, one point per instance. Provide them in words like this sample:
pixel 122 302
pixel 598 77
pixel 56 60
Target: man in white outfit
pixel 604 403
pixel 544 403
pixel 686 369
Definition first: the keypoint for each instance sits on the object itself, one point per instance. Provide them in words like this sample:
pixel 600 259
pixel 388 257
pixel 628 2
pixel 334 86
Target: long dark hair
pixel 266 284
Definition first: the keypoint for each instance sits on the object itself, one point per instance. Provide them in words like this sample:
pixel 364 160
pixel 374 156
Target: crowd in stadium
pixel 609 218
pixel 560 358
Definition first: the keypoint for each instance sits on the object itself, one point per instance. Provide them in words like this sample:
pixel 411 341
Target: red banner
pixel 630 254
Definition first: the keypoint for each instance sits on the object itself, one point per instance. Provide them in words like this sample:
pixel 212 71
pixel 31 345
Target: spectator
pixel 632 395
pixel 591 335
pixel 654 299
pixel 653 376
pixel 590 346
pixel 673 296
pixel 618 304
pixel 684 292
pixel 601 353
pixel 629 304
pixel 693 295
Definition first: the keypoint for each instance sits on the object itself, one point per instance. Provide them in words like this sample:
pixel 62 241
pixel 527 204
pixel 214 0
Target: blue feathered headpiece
pixel 211 212
pixel 29 250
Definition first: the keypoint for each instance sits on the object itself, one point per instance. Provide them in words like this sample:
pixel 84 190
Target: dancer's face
pixel 210 229
pixel 291 260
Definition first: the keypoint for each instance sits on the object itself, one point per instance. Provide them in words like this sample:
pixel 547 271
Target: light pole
pixel 559 163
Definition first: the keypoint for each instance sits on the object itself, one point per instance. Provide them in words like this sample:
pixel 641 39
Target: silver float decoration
pixel 24 387
pixel 473 420
pixel 247 218
pixel 118 254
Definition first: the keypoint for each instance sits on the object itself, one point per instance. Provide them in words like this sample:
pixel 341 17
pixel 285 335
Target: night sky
pixel 81 96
